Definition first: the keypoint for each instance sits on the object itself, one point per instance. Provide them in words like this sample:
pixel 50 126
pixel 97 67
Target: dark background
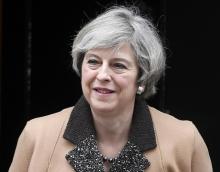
pixel 37 79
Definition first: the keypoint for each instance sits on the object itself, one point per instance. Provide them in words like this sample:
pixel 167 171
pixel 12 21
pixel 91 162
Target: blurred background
pixel 36 77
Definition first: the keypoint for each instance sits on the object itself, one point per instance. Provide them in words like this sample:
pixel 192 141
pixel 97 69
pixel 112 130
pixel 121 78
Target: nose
pixel 104 74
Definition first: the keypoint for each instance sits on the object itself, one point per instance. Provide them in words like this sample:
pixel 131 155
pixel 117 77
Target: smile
pixel 104 90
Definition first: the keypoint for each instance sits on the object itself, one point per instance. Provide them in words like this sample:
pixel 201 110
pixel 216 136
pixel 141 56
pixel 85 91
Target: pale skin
pixel 109 84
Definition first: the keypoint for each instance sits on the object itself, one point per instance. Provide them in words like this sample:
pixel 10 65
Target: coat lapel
pixel 80 131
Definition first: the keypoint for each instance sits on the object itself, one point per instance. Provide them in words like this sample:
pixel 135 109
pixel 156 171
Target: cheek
pixel 87 76
pixel 84 75
pixel 127 81
pixel 85 83
pixel 84 71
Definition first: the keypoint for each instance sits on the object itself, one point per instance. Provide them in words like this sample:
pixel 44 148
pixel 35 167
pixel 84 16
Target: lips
pixel 103 90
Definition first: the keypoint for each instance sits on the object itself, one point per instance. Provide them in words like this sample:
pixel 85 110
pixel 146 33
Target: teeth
pixel 104 91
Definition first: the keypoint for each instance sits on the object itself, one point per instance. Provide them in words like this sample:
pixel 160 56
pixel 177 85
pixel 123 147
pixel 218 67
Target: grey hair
pixel 118 25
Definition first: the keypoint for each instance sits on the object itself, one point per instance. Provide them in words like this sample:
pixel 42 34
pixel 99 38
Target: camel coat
pixel 170 145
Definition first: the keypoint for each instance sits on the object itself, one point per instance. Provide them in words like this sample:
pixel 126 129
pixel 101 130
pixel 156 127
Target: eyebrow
pixel 88 54
pixel 91 54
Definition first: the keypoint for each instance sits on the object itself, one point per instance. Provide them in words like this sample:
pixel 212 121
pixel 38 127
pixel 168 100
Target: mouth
pixel 103 90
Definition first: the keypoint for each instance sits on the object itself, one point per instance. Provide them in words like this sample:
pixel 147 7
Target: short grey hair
pixel 120 24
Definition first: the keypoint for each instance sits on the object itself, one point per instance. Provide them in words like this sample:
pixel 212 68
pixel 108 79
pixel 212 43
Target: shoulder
pixel 54 117
pixel 48 124
pixel 180 143
pixel 171 130
pixel 166 121
pixel 39 135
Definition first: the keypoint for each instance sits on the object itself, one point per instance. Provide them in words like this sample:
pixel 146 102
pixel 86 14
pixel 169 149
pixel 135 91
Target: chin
pixel 102 106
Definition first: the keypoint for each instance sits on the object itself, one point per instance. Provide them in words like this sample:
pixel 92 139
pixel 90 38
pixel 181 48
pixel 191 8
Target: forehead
pixel 123 51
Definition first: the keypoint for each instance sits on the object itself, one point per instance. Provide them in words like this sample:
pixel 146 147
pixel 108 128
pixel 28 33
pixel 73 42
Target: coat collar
pixel 81 126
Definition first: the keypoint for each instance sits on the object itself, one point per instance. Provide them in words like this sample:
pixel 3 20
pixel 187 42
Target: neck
pixel 112 130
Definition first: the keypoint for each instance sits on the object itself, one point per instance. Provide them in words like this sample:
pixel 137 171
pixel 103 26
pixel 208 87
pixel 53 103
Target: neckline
pixel 81 126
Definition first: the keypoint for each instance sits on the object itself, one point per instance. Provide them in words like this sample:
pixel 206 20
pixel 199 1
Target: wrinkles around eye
pixel 119 66
pixel 92 62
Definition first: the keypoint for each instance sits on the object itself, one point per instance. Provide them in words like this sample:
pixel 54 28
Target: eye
pixel 119 66
pixel 92 62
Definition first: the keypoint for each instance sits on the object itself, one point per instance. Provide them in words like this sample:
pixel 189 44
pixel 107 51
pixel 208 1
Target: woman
pixel 119 58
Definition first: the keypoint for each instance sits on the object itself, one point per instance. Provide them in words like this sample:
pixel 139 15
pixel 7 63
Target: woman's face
pixel 109 77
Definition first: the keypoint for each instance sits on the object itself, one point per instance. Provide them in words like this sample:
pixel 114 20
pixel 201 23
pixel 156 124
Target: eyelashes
pixel 92 62
pixel 117 66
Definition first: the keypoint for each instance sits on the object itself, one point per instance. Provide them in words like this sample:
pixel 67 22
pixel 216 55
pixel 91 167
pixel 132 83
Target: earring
pixel 140 90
